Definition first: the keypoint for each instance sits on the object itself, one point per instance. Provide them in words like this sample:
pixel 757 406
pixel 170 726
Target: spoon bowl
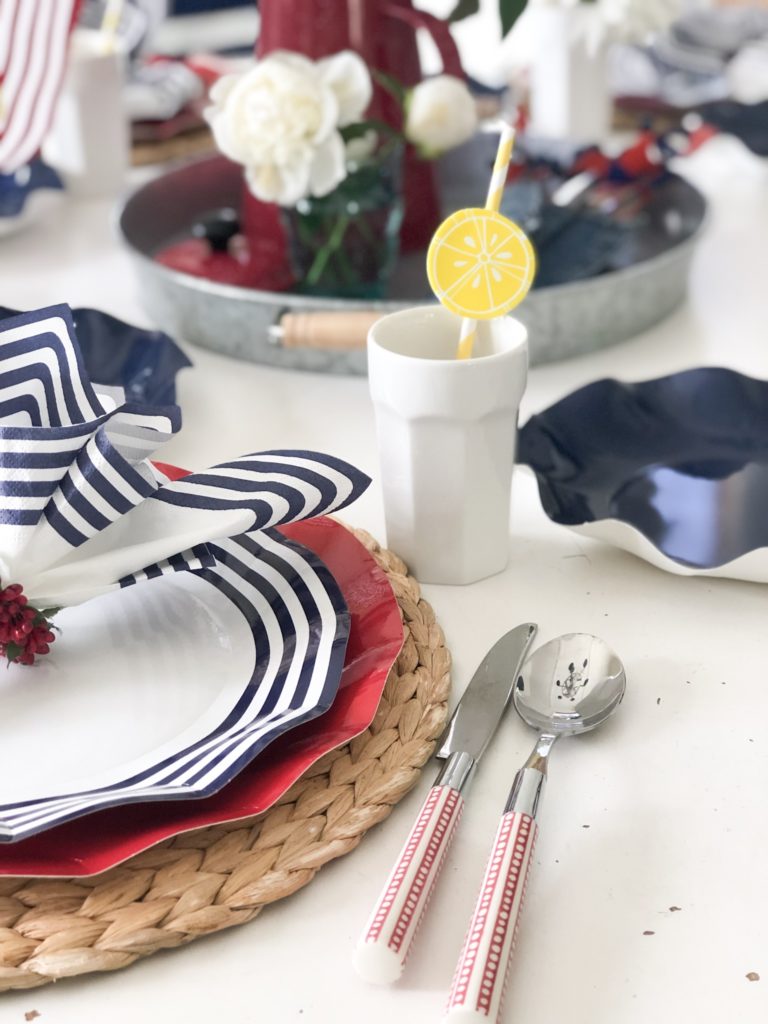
pixel 569 685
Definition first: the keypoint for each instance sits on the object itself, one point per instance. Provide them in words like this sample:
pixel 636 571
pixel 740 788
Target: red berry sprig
pixel 25 632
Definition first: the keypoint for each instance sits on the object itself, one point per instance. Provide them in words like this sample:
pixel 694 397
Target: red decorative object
pixel 383 32
pixel 315 29
pixel 257 264
pixel 25 633
pixel 33 58
pixel 394 51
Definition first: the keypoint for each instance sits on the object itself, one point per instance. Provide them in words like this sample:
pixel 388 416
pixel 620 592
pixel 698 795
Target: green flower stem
pixel 324 254
pixel 348 274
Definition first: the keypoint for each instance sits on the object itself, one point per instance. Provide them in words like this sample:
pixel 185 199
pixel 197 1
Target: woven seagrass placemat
pixel 217 877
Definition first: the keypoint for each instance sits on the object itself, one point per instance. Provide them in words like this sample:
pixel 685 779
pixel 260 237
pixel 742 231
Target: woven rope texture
pixel 221 876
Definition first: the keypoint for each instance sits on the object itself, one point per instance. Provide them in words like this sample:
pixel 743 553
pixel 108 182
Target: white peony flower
pixel 361 147
pixel 348 76
pixel 281 119
pixel 440 114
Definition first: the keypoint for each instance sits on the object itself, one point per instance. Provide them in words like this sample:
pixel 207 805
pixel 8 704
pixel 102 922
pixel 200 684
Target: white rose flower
pixel 348 76
pixel 361 147
pixel 440 114
pixel 280 120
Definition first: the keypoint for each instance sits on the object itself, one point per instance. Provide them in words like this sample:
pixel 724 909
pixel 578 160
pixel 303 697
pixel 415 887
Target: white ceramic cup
pixel 446 431
pixel 88 142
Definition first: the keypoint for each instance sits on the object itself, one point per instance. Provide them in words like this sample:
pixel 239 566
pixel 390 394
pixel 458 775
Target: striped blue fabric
pixel 277 486
pixel 283 591
pixel 43 382
pixel 64 458
pixel 83 511
pixel 82 508
pixel 199 557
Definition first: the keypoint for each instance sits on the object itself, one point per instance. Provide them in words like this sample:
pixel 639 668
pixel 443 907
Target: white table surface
pixel 664 807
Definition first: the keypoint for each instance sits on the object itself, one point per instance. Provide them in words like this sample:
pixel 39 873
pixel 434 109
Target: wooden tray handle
pixel 342 331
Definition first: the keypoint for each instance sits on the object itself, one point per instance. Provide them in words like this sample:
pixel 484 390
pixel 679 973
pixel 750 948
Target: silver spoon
pixel 568 686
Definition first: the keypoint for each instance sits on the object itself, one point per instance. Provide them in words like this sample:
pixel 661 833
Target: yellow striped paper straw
pixel 492 202
pixel 110 23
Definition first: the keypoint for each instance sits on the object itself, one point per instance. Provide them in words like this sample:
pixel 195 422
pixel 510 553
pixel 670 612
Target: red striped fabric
pixel 33 54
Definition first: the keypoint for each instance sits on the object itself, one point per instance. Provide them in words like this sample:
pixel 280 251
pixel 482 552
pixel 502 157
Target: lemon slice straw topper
pixel 481 265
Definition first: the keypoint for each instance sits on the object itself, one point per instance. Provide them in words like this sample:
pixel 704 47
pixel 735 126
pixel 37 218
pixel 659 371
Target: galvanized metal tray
pixel 563 320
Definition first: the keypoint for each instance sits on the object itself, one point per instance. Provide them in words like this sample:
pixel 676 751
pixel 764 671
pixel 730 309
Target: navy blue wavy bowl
pixel 683 459
pixel 143 362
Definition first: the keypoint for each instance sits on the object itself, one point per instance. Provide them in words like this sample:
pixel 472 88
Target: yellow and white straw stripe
pixel 110 24
pixel 492 202
pixel 500 168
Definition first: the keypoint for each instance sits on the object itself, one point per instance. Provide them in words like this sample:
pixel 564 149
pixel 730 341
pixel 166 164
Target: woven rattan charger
pixel 217 877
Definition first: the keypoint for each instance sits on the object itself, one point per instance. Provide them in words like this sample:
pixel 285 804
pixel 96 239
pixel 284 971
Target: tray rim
pixel 308 303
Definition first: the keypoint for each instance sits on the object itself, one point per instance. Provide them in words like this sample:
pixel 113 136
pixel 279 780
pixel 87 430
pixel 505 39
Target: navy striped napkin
pixel 82 508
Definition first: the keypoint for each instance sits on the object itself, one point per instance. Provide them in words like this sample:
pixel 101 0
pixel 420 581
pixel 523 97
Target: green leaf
pixel 510 11
pixel 356 131
pixel 48 613
pixel 390 84
pixel 463 9
pixel 12 651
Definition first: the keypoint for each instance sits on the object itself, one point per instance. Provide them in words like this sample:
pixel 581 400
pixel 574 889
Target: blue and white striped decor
pixel 277 487
pixel 42 379
pixel 73 463
pixel 300 626
pixel 199 557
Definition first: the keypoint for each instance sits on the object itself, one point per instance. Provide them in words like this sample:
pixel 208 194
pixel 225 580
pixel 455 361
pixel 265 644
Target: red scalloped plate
pixel 101 840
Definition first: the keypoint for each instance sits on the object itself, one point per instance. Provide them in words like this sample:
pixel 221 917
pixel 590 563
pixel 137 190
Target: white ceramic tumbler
pixel 88 141
pixel 446 435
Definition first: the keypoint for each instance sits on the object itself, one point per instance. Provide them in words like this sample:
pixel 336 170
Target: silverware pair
pixel 568 686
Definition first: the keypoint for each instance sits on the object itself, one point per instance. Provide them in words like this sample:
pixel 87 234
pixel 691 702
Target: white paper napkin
pixel 83 510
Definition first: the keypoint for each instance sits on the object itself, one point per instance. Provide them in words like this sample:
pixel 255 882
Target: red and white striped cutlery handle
pixel 479 982
pixel 386 941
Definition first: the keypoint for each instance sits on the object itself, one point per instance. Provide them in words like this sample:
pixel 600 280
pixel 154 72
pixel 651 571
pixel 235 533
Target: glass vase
pixel 345 244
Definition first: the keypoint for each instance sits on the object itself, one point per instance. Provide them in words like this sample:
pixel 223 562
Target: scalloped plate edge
pixel 751 567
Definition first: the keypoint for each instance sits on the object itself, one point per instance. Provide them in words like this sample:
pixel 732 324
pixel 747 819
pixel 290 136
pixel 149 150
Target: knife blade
pixel 485 700
pixel 386 940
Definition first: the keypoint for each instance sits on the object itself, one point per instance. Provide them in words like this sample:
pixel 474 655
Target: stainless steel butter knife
pixel 386 940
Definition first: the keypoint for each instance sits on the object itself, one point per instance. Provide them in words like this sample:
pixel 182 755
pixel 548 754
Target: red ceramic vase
pixel 383 32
